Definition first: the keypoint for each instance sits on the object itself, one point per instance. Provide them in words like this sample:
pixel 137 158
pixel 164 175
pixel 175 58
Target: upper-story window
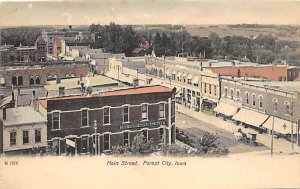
pixel 247 98
pixel 25 137
pixel 161 110
pixel 106 115
pixel 13 138
pixel 126 114
pixel 84 118
pixel 260 101
pixel 231 94
pixel 55 120
pixel 287 107
pixel 215 90
pixel 209 89
pixel 144 111
pixel 253 99
pixel 275 104
pixel 238 95
pixel 205 88
pixel 37 135
pixel 225 92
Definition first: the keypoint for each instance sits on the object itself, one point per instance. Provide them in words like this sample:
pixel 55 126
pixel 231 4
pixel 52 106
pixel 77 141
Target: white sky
pixel 149 12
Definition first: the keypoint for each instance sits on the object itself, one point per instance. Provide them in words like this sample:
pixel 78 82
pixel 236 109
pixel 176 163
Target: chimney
pixel 58 80
pixel 33 95
pixel 70 27
pixel 135 82
pixel 4 113
pixel 34 101
pixel 233 64
pixel 61 91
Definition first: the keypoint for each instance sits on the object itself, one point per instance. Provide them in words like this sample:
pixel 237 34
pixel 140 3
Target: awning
pixel 195 79
pixel 226 109
pixel 250 117
pixel 280 125
pixel 189 76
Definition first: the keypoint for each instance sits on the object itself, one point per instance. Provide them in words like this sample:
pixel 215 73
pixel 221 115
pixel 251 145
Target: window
pixel 37 80
pixel 231 94
pixel 161 110
pixel 253 99
pixel 144 111
pixel 215 90
pixel 13 138
pixel 31 81
pixel 238 95
pixel 247 98
pixel 161 135
pixel 55 120
pixel 37 136
pixel 275 104
pixel 126 139
pixel 205 86
pixel 20 80
pixel 225 92
pixel 84 118
pixel 84 144
pixel 106 141
pixel 145 135
pixel 209 88
pixel 287 107
pixel 14 81
pixel 125 114
pixel 106 115
pixel 260 101
pixel 25 137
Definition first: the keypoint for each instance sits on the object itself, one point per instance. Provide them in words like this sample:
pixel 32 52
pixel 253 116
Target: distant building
pixel 37 53
pixel 37 74
pixel 144 49
pixel 118 115
pixel 23 130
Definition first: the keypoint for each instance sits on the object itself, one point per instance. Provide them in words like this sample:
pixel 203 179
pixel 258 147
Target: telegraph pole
pixel 272 136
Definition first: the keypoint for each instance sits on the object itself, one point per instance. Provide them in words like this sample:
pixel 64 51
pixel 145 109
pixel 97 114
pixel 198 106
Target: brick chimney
pixel 61 91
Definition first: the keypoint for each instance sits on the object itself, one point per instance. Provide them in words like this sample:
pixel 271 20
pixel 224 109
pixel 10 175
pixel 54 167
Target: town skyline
pixel 149 12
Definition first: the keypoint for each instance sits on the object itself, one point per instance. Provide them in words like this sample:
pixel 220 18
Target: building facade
pixel 37 74
pixel 114 117
pixel 23 131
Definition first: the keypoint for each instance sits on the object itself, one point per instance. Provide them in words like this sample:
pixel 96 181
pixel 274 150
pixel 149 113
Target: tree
pixel 140 146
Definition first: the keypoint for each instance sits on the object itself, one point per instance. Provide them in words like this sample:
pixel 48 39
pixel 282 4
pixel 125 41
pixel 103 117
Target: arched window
pixel 275 104
pixel 253 99
pixel 55 75
pixel 72 75
pixel 50 76
pixel 31 80
pixel 247 98
pixel 67 75
pixel 20 80
pixel 14 81
pixel 37 80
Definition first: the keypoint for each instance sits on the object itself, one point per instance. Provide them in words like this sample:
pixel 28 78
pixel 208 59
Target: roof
pixel 120 92
pixel 72 83
pixel 22 115
pixel 40 40
pixel 25 97
pixel 137 50
pixel 139 90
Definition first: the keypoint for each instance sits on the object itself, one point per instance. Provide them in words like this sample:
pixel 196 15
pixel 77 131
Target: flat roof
pixel 22 115
pixel 119 92
pixel 72 83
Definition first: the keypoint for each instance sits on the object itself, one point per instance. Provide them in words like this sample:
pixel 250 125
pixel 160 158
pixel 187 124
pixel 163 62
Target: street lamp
pixel 95 128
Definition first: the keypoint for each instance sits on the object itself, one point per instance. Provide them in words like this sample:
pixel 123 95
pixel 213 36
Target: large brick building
pixel 38 73
pixel 37 53
pixel 119 116
pixel 269 72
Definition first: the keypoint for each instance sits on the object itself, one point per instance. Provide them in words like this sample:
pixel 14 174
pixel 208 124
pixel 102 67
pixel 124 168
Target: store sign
pixel 148 124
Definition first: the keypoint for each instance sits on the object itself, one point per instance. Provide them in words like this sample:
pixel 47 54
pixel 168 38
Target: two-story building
pixel 23 131
pixel 114 117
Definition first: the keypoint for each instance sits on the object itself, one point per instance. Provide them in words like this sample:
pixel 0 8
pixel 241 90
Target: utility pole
pixel 292 133
pixel 272 136
pixel 95 127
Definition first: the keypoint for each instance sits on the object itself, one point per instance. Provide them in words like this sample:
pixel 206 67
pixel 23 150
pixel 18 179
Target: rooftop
pixel 72 83
pixel 22 115
pixel 120 92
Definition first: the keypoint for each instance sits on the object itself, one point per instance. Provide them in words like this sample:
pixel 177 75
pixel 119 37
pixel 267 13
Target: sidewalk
pixel 280 145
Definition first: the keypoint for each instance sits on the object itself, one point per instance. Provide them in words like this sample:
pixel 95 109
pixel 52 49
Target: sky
pixel 25 13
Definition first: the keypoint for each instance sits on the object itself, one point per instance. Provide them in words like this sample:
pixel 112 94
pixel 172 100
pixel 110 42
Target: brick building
pixel 37 53
pixel 119 116
pixel 37 74
pixel 269 72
